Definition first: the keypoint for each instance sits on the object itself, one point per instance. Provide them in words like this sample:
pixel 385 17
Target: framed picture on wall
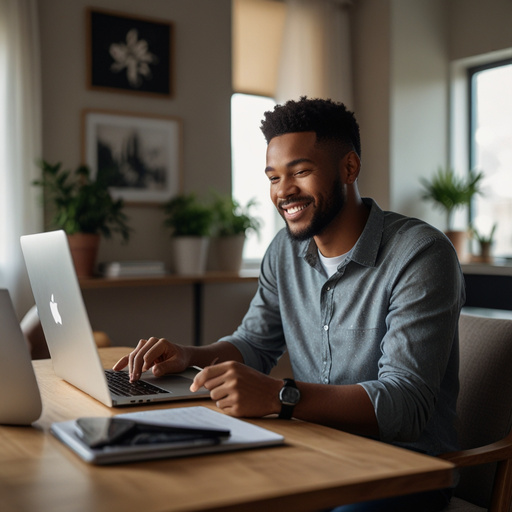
pixel 129 54
pixel 140 155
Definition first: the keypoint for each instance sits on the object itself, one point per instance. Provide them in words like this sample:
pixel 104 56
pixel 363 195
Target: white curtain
pixel 316 54
pixel 20 142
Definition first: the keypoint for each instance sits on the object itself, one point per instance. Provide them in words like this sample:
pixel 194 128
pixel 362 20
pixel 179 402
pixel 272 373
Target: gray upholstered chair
pixel 485 416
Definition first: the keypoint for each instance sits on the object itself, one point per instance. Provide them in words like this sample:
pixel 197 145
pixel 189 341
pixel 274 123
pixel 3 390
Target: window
pixel 249 179
pixel 491 150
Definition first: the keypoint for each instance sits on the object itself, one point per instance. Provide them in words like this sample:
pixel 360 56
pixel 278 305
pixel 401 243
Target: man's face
pixel 305 183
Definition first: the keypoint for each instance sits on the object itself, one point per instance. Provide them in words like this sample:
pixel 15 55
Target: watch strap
pixel 287 407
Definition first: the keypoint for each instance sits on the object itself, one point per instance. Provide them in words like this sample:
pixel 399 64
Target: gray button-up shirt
pixel 387 320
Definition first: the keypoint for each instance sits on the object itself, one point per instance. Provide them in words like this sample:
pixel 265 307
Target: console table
pixel 132 295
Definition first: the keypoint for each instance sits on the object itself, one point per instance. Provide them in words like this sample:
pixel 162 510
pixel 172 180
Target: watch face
pixel 290 395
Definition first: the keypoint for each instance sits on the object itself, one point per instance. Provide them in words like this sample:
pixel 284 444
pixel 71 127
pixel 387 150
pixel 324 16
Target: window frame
pixel 471 74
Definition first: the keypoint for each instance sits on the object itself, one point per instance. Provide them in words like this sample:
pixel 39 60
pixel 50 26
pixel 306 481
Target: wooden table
pixel 317 467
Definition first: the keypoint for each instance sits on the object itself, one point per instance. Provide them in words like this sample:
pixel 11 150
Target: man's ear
pixel 352 166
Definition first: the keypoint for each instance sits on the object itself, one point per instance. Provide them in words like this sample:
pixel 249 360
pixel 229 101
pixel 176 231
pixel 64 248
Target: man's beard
pixel 321 217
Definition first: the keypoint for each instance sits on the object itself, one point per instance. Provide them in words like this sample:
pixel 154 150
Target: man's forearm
pixel 347 407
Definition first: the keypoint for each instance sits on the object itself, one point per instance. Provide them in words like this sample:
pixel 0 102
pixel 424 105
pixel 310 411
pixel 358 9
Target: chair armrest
pixel 494 452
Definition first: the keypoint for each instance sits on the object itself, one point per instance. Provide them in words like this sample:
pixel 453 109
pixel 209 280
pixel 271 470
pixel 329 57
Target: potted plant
pixel 84 209
pixel 485 243
pixel 190 223
pixel 231 223
pixel 450 192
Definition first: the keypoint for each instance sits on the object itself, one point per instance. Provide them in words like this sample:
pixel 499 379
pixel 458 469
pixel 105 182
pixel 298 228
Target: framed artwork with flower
pixel 141 155
pixel 129 54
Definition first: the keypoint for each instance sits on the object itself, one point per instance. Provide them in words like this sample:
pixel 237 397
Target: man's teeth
pixel 295 209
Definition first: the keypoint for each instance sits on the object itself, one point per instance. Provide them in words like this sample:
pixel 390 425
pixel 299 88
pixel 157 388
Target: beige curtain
pixel 257 35
pixel 20 141
pixel 316 54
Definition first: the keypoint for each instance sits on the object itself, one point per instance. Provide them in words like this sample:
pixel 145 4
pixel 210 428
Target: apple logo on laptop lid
pixel 54 308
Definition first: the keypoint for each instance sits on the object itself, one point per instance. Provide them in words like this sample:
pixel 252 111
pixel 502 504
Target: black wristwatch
pixel 289 397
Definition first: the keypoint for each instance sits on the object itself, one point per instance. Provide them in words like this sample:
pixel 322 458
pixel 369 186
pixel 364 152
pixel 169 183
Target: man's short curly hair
pixel 330 121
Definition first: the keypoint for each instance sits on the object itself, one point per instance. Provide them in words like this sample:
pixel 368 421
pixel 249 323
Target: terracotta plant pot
pixel 84 250
pixel 459 239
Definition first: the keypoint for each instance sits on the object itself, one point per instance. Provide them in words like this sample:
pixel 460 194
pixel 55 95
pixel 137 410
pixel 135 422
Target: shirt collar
pixel 365 250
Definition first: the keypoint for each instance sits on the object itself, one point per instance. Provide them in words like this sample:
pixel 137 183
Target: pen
pixel 213 363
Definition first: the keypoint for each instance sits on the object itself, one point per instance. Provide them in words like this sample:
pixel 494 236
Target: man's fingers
pixel 156 353
pixel 206 375
pixel 143 357
pixel 122 363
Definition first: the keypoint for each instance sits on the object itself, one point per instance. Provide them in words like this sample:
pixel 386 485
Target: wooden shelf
pixel 487 269
pixel 169 280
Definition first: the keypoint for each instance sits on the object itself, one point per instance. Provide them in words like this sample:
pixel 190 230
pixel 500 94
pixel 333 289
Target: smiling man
pixel 366 303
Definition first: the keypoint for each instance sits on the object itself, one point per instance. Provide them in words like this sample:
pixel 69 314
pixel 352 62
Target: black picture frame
pixel 112 37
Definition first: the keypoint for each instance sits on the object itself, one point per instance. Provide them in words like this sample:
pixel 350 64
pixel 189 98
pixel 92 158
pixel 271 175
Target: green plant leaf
pixel 231 218
pixel 185 215
pixel 449 191
pixel 80 205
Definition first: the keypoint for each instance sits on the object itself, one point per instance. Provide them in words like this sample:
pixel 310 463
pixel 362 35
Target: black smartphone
pixel 110 431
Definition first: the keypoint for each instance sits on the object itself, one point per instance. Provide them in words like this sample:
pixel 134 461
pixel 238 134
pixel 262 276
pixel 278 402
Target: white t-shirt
pixel 331 264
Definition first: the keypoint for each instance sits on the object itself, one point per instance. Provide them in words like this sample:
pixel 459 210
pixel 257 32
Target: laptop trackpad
pixel 176 384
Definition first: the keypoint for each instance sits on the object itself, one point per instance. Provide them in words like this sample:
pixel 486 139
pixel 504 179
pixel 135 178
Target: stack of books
pixel 132 268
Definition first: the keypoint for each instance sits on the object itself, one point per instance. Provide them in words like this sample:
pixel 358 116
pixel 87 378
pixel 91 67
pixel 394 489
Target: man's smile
pixel 293 208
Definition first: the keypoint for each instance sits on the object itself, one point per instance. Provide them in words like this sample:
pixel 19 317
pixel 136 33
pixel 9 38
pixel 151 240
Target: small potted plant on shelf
pixel 231 223
pixel 449 192
pixel 485 244
pixel 190 222
pixel 84 209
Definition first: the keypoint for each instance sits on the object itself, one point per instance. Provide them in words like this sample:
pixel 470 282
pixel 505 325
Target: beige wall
pixel 403 51
pixel 478 27
pixel 202 95
pixel 401 97
pixel 372 89
pixel 202 98
pixel 419 99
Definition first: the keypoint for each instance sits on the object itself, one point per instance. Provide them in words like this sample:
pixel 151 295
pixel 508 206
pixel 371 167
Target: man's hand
pixel 239 390
pixel 156 353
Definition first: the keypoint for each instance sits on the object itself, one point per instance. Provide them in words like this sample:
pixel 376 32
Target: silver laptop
pixel 69 335
pixel 21 404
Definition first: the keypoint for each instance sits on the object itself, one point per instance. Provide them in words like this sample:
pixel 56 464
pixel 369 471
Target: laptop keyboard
pixel 119 383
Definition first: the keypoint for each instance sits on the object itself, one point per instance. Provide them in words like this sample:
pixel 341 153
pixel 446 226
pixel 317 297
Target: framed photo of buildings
pixel 140 156
pixel 130 54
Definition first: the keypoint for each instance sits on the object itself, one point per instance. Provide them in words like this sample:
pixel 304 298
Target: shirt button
pixel 326 327
pixel 328 288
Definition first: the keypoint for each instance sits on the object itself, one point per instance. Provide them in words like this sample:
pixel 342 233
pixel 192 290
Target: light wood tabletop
pixel 316 468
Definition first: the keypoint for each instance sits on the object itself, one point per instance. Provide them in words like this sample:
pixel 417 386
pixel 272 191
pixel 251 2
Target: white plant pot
pixel 190 254
pixel 226 253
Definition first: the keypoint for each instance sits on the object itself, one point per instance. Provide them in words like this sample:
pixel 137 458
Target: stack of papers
pixel 243 436
pixel 132 268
